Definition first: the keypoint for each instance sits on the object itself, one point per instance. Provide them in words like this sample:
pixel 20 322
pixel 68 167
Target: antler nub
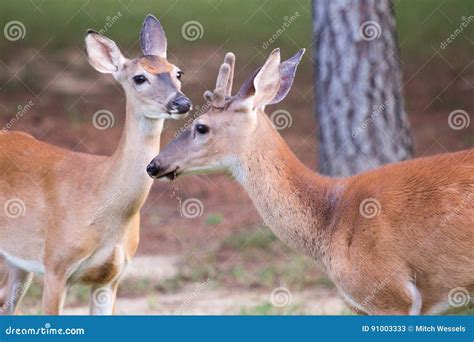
pixel 223 83
pixel 230 60
pixel 217 97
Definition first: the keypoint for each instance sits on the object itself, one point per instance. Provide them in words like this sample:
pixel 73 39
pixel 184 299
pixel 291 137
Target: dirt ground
pixel 223 261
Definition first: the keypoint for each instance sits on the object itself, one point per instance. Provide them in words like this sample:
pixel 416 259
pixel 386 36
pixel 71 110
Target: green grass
pixel 262 238
pixel 214 219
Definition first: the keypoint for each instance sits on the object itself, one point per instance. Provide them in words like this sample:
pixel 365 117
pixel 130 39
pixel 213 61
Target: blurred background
pixel 220 259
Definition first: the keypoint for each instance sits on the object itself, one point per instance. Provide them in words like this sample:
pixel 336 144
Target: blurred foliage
pixel 248 24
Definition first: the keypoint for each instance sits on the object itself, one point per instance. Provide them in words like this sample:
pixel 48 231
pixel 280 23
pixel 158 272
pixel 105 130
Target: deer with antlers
pixel 80 213
pixel 394 240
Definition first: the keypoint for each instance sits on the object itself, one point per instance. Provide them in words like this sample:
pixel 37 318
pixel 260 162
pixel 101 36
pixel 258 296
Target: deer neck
pixel 294 201
pixel 128 184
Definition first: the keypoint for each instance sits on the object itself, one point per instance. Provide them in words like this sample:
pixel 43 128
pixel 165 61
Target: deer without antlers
pixel 394 240
pixel 81 221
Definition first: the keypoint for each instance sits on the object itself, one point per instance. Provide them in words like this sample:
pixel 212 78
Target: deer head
pixel 152 84
pixel 234 125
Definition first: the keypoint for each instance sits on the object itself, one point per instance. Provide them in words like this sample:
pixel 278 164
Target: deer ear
pixel 152 37
pixel 262 86
pixel 102 53
pixel 287 75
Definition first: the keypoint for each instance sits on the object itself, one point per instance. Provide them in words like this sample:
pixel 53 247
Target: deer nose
pixel 180 105
pixel 152 169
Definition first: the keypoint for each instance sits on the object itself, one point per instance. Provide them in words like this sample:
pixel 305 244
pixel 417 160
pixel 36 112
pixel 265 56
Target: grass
pixel 261 238
pixel 214 219
pixel 246 259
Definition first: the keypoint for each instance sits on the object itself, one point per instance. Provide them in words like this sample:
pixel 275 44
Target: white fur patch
pixel 416 299
pixel 27 265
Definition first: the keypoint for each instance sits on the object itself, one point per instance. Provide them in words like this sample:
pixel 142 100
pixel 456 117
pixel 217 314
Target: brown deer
pixel 75 217
pixel 394 240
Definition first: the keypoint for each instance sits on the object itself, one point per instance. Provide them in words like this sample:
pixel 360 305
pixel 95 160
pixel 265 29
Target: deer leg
pixel 4 287
pixel 102 298
pixel 54 293
pixel 17 283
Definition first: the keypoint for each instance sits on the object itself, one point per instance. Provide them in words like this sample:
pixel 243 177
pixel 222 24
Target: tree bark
pixel 359 100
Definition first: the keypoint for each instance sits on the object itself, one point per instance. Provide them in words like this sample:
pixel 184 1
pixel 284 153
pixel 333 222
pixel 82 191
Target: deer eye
pixel 179 74
pixel 202 129
pixel 139 79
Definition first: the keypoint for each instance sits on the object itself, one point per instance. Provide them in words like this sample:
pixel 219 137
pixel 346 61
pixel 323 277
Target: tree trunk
pixel 359 100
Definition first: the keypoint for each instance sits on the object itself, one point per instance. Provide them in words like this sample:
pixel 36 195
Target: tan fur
pixel 74 223
pixel 423 234
pixel 404 259
pixel 81 212
pixel 155 65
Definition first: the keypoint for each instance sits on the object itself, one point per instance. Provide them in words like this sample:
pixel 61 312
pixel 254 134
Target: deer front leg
pixel 54 293
pixel 102 298
pixel 16 285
